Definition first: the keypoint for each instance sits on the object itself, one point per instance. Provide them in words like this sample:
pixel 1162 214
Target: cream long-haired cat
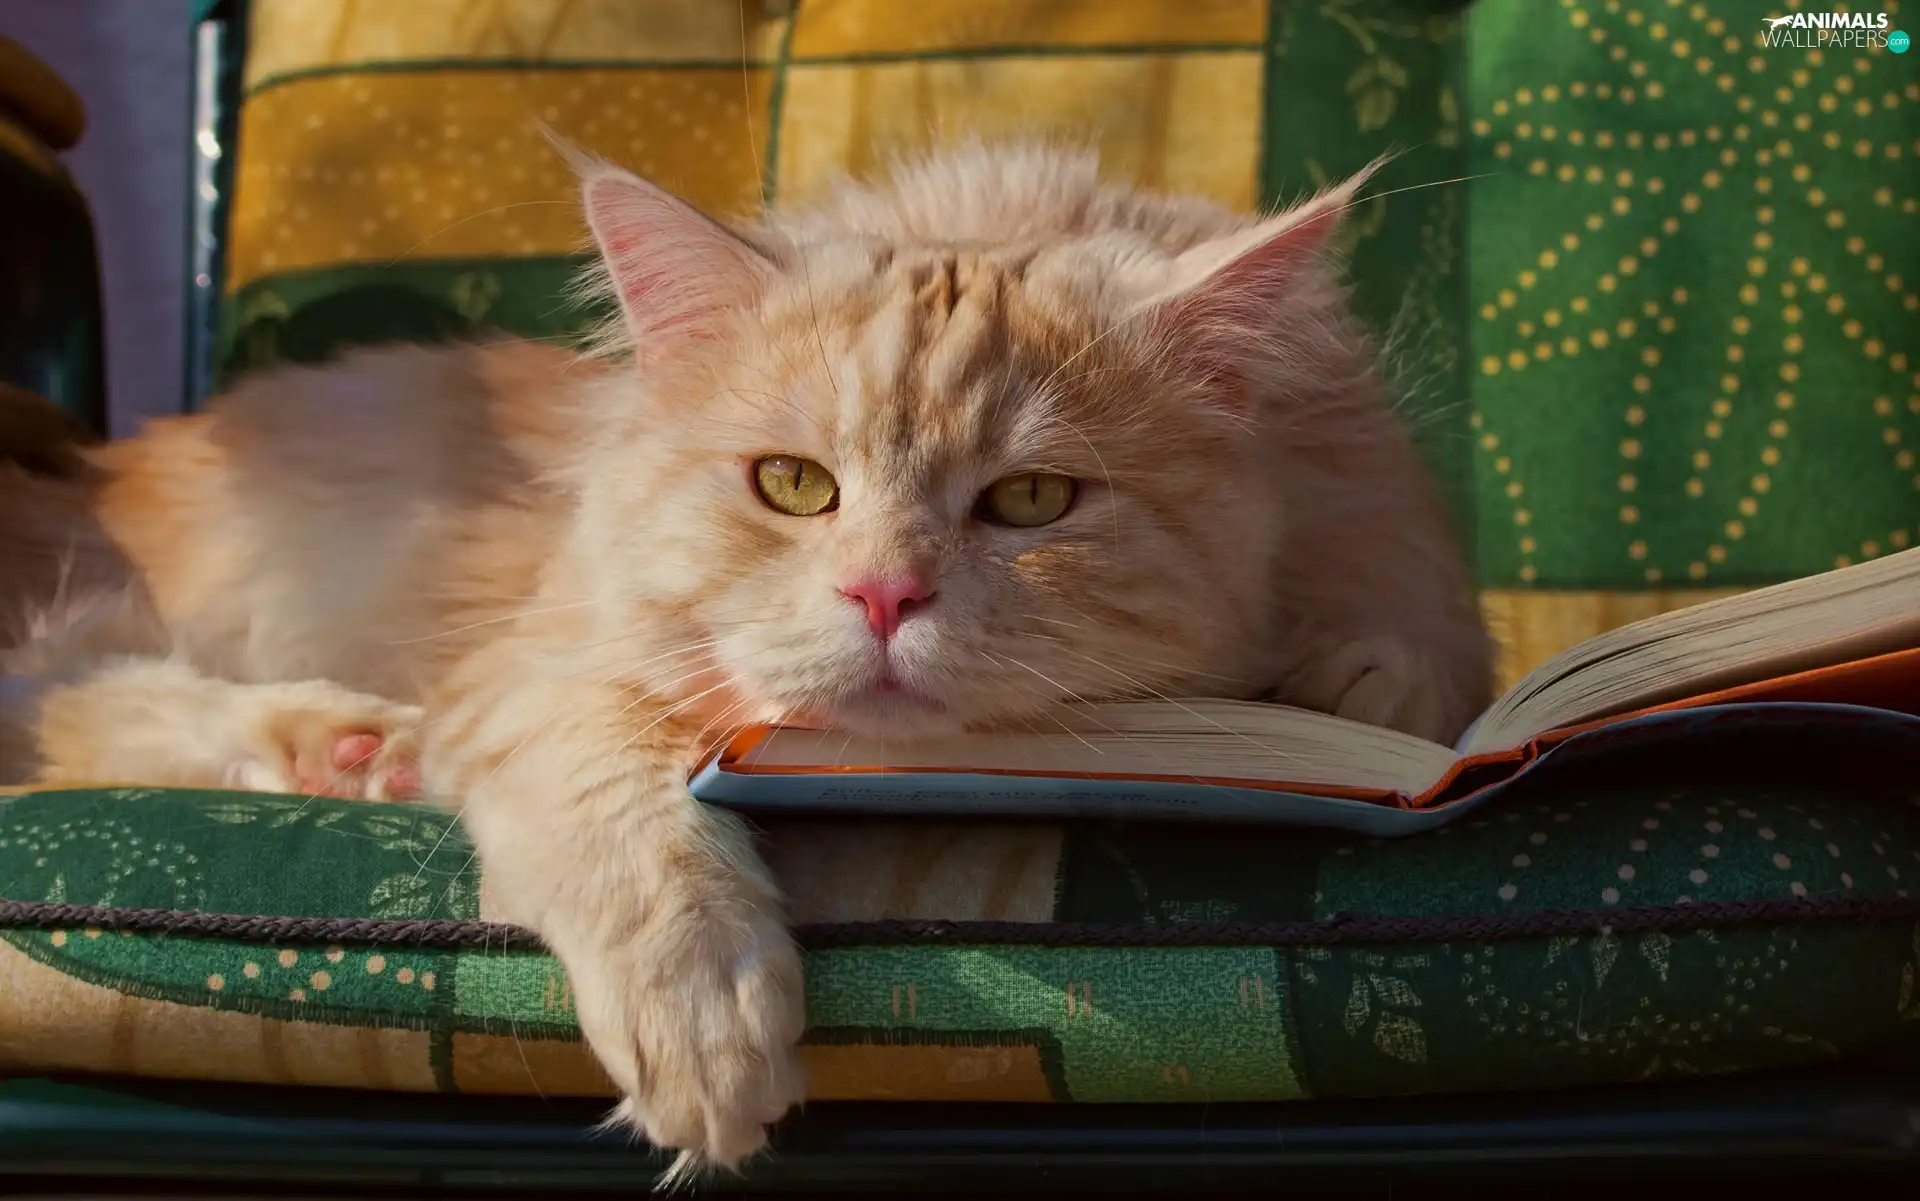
pixel 934 453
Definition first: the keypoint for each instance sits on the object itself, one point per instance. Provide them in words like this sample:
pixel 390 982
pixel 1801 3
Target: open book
pixel 1838 648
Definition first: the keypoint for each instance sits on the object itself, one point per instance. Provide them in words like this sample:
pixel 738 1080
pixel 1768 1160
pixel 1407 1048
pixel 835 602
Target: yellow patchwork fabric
pixel 863 28
pixel 375 168
pixel 295 37
pixel 1188 122
pixel 1533 626
pixel 379 133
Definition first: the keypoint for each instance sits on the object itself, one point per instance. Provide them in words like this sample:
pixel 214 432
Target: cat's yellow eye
pixel 1029 500
pixel 795 486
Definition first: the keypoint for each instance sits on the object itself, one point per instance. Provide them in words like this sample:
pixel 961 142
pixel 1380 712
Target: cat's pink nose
pixel 889 601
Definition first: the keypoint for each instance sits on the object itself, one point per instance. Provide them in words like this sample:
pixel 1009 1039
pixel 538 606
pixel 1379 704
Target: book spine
pixel 960 795
pixel 1725 741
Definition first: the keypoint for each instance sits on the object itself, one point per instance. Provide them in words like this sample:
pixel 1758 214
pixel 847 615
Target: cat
pixel 936 451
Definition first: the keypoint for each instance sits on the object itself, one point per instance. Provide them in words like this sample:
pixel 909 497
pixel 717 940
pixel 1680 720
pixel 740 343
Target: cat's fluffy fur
pixel 561 558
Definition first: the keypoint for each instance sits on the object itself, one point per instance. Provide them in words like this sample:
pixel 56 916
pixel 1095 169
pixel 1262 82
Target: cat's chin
pixel 887 713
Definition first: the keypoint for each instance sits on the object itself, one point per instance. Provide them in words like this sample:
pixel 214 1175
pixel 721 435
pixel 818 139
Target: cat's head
pixel 903 483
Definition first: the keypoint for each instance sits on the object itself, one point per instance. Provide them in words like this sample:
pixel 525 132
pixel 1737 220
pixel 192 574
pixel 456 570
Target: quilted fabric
pixel 1647 977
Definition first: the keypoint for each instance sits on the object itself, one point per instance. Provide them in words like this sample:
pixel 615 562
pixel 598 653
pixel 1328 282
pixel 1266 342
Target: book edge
pixel 1898 664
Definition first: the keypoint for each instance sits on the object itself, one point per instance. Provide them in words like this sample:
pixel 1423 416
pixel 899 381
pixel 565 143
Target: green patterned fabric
pixel 1270 1020
pixel 310 318
pixel 1695 273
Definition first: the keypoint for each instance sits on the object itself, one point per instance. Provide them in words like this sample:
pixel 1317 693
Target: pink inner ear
pixel 1253 272
pixel 1228 296
pixel 1256 266
pixel 676 271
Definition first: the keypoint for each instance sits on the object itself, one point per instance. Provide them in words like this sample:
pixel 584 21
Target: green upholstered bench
pixel 1586 933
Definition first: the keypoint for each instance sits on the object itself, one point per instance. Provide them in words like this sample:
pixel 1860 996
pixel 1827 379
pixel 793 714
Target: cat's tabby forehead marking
pixel 911 366
pixel 942 363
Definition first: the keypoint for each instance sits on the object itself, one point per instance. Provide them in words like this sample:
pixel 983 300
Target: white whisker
pixel 1187 709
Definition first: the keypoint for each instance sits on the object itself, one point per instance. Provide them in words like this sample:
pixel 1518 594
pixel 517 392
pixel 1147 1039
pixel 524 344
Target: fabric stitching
pixel 1338 928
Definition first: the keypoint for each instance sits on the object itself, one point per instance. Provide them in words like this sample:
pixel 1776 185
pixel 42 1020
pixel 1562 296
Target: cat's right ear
pixel 677 272
pixel 1233 283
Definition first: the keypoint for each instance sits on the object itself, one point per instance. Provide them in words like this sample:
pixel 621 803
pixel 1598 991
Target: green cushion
pixel 1606 934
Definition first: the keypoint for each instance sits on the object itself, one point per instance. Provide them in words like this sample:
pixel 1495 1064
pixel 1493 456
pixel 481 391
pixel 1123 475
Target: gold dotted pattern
pixel 1515 490
pixel 1764 135
pixel 438 165
pixel 311 978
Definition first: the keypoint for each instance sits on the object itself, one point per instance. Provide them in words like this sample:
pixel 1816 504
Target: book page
pixel 1868 609
pixel 1205 741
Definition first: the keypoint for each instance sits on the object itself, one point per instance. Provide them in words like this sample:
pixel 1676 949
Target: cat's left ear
pixel 1233 285
pixel 677 272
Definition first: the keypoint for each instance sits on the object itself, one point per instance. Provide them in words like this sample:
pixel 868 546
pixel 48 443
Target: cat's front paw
pixel 318 739
pixel 1384 682
pixel 698 1016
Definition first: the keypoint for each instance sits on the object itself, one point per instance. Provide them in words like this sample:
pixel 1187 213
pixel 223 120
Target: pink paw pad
pixel 352 750
pixel 403 782
pixel 353 772
pixel 396 780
